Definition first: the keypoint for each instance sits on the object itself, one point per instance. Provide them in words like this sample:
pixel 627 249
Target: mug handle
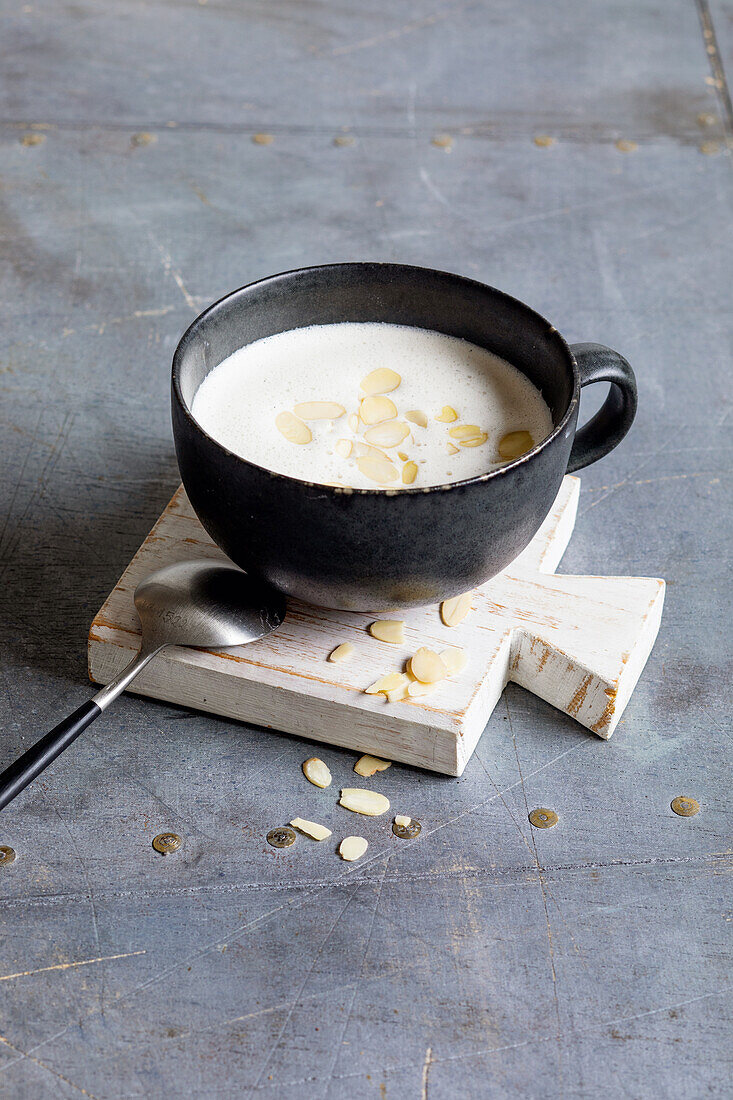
pixel 597 363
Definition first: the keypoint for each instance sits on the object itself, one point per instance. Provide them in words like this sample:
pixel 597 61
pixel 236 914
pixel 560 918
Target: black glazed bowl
pixel 372 549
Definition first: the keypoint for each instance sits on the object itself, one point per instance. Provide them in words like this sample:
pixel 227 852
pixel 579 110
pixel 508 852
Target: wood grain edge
pixel 382 733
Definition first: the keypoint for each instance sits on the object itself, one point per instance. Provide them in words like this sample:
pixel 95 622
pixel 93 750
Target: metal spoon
pixel 195 603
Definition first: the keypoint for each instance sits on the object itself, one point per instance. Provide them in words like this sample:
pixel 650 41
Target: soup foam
pixel 256 402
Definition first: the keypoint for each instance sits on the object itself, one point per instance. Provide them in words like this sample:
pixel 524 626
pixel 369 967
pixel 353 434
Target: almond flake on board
pixel 343 447
pixel 341 653
pixel 417 688
pixel 316 772
pixel 319 410
pixel 455 659
pixel 427 666
pixel 417 416
pixel 362 801
pixel 367 765
pixel 400 819
pixel 389 434
pixel 452 449
pixel 353 422
pixel 388 630
pixel 396 695
pixel 294 430
pixel 447 415
pixel 375 409
pixel 382 380
pixel 390 682
pixel 310 828
pixel 353 847
pixel 454 611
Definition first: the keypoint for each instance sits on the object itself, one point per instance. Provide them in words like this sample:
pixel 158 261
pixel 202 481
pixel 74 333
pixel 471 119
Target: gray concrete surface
pixel 487 959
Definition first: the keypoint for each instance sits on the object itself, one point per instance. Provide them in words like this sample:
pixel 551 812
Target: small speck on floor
pixel 625 146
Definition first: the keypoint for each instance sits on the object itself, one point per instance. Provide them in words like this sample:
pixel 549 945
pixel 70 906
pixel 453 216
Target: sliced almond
pixel 352 847
pixel 475 440
pixel 341 652
pixel 373 410
pixel 389 434
pixel 362 450
pixel 515 444
pixel 378 469
pixel 454 611
pixel 361 801
pixel 319 410
pixel 409 473
pixel 310 828
pixel 294 430
pixel 455 659
pixel 427 666
pixel 382 380
pixel 369 765
pixel 396 695
pixel 344 447
pixel 448 415
pixel 465 431
pixel 316 772
pixel 388 630
pixel 386 683
pixel 353 422
pixel 417 416
pixel 400 819
pixel 402 456
pixel 417 688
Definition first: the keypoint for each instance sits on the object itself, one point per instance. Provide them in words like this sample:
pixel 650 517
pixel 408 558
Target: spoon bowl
pixel 202 604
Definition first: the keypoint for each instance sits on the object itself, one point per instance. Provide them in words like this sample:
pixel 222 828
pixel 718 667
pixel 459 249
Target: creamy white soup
pixel 372 406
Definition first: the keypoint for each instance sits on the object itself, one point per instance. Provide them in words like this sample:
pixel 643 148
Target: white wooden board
pixel 578 642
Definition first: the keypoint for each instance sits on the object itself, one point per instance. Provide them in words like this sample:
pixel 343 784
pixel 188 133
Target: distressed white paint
pixel 578 642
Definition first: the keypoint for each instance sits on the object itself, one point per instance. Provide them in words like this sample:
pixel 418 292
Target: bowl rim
pixel 404 490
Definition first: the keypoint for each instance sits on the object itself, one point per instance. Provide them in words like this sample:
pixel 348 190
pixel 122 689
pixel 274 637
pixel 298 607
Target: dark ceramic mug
pixel 370 549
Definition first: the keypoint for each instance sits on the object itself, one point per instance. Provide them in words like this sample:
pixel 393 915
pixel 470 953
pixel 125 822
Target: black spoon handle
pixel 40 755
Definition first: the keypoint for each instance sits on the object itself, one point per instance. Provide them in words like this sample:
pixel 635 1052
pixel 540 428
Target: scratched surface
pixel 486 959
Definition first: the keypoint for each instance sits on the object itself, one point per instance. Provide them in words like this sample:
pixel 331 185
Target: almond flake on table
pixel 367 765
pixel 352 847
pixel 316 772
pixel 362 801
pixel 310 828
